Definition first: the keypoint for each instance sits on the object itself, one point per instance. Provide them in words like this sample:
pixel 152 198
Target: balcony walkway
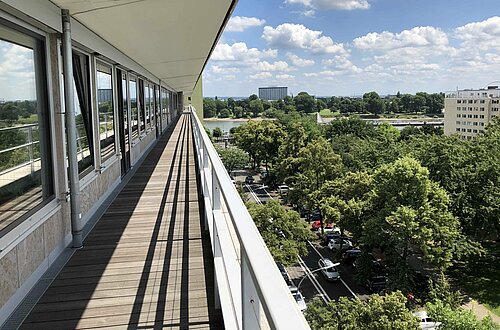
pixel 147 263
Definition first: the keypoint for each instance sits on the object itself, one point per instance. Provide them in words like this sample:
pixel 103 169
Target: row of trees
pixel 414 192
pixel 370 103
pixel 410 195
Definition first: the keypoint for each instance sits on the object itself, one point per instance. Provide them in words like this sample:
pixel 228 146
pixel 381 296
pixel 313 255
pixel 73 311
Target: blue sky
pixel 349 47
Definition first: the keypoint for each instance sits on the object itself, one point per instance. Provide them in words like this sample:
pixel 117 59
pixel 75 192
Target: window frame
pixel 22 34
pixel 99 62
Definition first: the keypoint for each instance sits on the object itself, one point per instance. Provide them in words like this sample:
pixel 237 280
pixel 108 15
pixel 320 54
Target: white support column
pixel 249 297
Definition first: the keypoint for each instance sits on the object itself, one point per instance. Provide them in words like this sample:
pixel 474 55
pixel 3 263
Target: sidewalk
pixel 480 311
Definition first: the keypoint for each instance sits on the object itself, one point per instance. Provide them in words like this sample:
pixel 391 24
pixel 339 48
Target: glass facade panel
pixel 25 156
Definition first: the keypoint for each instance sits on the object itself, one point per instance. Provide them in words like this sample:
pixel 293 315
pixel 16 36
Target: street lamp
pixel 316 270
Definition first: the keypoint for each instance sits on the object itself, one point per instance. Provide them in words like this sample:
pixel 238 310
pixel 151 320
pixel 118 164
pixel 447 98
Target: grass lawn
pixel 480 277
pixel 327 113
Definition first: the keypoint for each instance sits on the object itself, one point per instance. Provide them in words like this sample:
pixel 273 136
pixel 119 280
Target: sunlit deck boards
pixel 147 263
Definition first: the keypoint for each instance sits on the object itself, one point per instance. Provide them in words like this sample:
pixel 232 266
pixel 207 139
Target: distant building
pixel 273 93
pixel 467 112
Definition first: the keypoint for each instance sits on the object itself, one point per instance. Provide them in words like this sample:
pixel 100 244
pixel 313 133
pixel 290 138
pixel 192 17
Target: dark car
pixel 249 179
pixel 329 236
pixel 284 273
pixel 377 283
pixel 314 216
pixel 350 255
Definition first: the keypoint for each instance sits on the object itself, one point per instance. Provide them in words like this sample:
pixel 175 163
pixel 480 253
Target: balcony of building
pixel 173 247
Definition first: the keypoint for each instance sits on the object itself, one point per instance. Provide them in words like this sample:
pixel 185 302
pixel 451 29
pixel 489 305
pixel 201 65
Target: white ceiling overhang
pixel 172 39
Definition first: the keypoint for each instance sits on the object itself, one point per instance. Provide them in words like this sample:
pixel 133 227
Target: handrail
pixel 251 291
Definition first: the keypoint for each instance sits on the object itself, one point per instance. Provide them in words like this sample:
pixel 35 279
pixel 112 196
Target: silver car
pixel 329 269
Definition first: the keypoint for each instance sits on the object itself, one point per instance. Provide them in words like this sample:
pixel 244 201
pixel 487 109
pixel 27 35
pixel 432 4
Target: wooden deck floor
pixel 146 264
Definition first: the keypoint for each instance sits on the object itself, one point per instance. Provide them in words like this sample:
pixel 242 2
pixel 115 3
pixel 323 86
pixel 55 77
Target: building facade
pixel 467 112
pixel 128 85
pixel 273 93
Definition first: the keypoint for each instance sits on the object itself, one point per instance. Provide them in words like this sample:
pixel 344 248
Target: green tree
pixel 217 132
pixel 374 104
pixel 378 312
pixel 319 163
pixel 224 113
pixel 255 106
pixel 410 214
pixel 284 233
pixel 458 318
pixel 304 102
pixel 233 158
pixel 209 107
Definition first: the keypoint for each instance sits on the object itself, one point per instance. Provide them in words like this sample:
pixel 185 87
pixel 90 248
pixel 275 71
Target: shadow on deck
pixel 147 263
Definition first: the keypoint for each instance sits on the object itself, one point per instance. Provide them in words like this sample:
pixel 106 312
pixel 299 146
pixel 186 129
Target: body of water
pixel 224 125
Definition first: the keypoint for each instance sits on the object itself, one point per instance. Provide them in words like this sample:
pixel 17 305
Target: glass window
pixel 83 113
pixel 151 106
pixel 134 113
pixel 25 156
pixel 106 113
pixel 142 114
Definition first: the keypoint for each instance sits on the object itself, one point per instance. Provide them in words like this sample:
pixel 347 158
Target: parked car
pixel 377 283
pixel 314 216
pixel 329 269
pixel 350 255
pixel 284 273
pixel 331 228
pixel 329 236
pixel 283 189
pixel 426 322
pixel 249 179
pixel 375 265
pixel 340 243
pixel 232 180
pixel 327 227
pixel 299 298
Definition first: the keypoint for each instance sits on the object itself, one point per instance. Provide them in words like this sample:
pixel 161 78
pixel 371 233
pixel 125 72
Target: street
pixel 308 264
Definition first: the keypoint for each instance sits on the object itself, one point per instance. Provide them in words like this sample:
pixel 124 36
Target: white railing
pixel 251 292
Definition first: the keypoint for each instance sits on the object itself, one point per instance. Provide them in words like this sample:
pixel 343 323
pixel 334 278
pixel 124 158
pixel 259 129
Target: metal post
pixel 30 151
pixel 74 188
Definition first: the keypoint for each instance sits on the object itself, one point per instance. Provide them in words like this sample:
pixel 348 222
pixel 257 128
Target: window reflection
pixel 134 120
pixel 25 166
pixel 106 113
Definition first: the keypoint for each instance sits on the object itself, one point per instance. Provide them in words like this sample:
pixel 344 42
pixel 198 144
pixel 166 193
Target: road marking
pixel 343 282
pixel 254 195
pixel 314 281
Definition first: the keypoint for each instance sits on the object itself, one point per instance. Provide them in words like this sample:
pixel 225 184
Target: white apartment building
pixel 467 112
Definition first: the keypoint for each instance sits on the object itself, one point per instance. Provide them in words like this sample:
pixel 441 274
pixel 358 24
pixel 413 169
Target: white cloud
pixel 419 36
pixel 342 63
pixel 241 23
pixel 240 53
pixel 484 34
pixel 300 62
pixel 332 4
pixel 276 66
pixel 261 75
pixel 284 77
pixel 222 69
pixel 289 35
